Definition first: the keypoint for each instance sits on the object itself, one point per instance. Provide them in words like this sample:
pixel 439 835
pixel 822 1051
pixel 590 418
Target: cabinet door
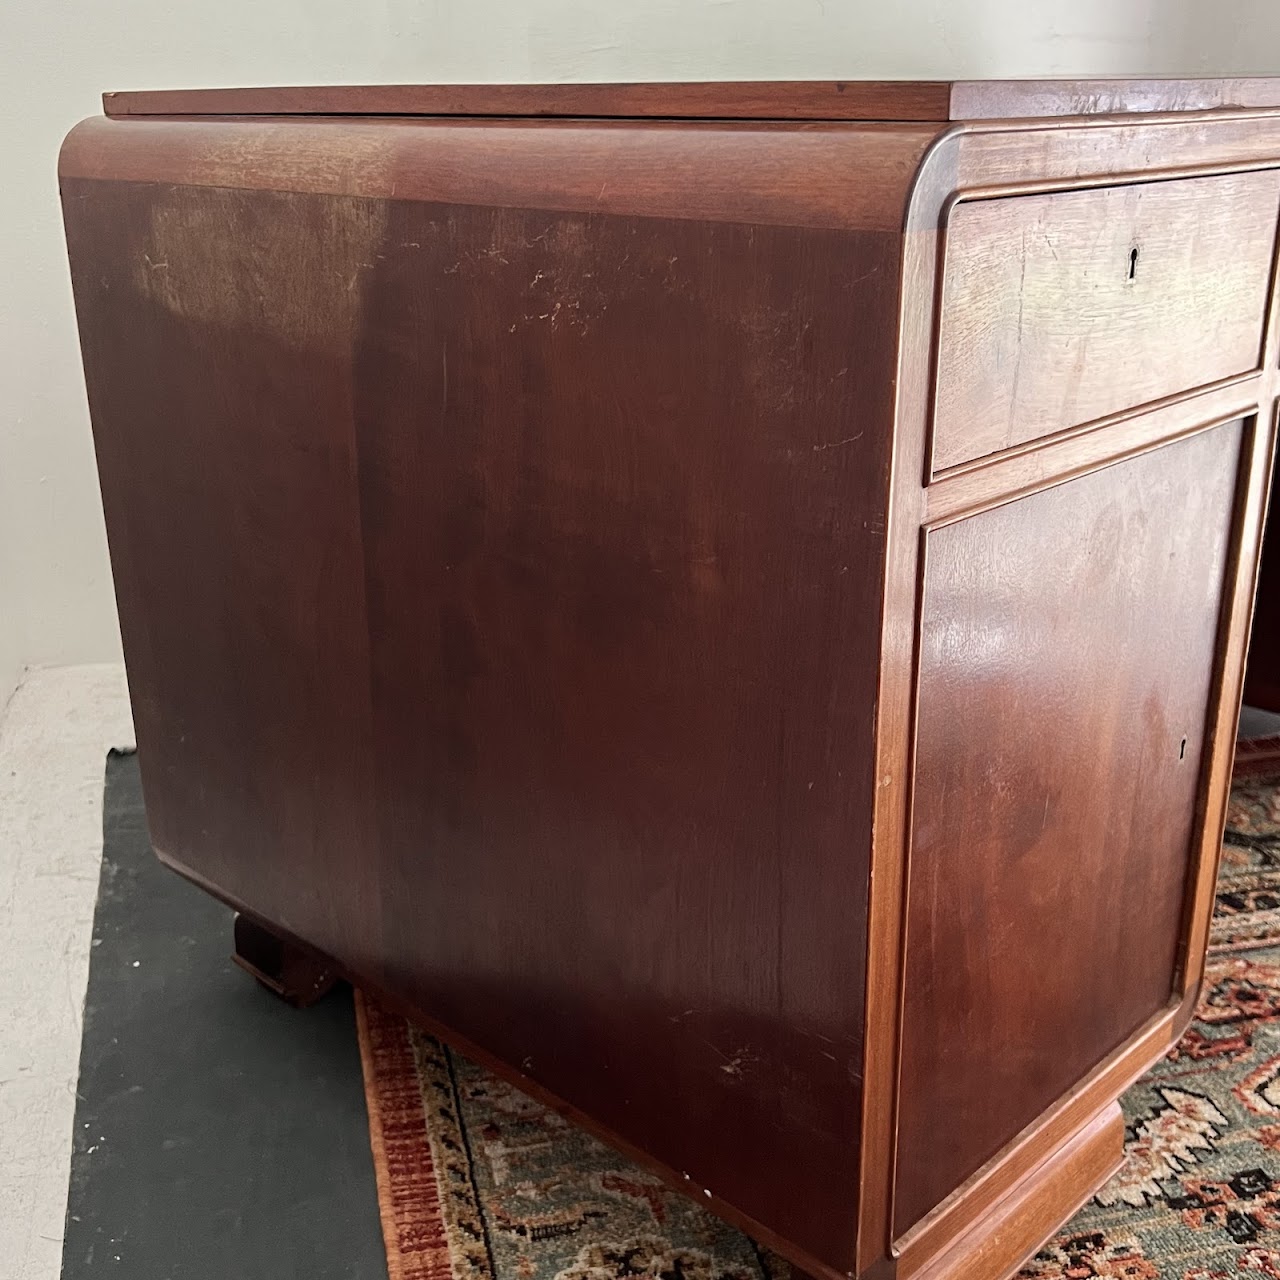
pixel 1067 650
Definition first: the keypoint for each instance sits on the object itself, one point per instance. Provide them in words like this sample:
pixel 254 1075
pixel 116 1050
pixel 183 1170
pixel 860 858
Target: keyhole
pixel 1182 750
pixel 1133 262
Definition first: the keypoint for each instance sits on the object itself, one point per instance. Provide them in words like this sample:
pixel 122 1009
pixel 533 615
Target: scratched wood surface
pixel 490 672
pixel 1047 816
pixel 1059 309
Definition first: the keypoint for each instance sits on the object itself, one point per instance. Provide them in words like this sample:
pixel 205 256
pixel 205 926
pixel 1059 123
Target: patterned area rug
pixel 478 1182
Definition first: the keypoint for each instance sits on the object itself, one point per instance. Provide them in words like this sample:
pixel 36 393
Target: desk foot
pixel 294 975
pixel 1014 1227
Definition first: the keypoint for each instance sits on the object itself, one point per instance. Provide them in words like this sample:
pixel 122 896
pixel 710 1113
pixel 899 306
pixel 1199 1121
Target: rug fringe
pixel 386 1210
pixel 412 1232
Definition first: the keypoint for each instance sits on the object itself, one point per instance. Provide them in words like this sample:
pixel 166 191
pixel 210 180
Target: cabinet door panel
pixel 1066 654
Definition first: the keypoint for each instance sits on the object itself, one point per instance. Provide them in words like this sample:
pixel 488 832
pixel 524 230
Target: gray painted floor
pixel 218 1133
pixel 221 1108
pixel 54 736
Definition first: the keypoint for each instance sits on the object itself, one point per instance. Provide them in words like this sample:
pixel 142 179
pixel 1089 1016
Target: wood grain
pixel 1061 718
pixel 754 174
pixel 795 100
pixel 1033 1209
pixel 1026 469
pixel 983 159
pixel 988 160
pixel 747 100
pixel 1027 99
pixel 1059 309
pixel 558 783
pixel 1036 1146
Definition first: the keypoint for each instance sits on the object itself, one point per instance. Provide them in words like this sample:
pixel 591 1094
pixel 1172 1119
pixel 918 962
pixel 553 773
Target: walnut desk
pixel 727 602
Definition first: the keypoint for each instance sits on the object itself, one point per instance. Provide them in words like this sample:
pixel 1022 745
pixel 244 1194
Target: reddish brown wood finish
pixel 1034 99
pixel 468 582
pixel 1037 1204
pixel 990 161
pixel 1063 308
pixel 747 100
pixel 752 174
pixel 1066 653
pixel 531 580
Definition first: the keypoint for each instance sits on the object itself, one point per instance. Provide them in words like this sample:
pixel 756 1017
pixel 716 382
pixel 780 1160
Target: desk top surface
pixel 932 100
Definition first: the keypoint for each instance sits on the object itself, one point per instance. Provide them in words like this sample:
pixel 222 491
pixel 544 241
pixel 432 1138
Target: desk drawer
pixel 1063 308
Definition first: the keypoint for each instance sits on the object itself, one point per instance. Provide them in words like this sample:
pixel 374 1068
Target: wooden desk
pixel 727 602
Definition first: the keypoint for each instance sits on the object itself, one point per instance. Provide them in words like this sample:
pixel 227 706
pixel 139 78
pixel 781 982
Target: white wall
pixel 55 595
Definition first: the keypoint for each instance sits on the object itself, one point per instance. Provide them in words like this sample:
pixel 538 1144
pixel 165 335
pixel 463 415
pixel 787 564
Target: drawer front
pixel 1063 308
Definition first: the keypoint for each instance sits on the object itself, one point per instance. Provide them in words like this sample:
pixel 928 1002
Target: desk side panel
pixel 500 596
